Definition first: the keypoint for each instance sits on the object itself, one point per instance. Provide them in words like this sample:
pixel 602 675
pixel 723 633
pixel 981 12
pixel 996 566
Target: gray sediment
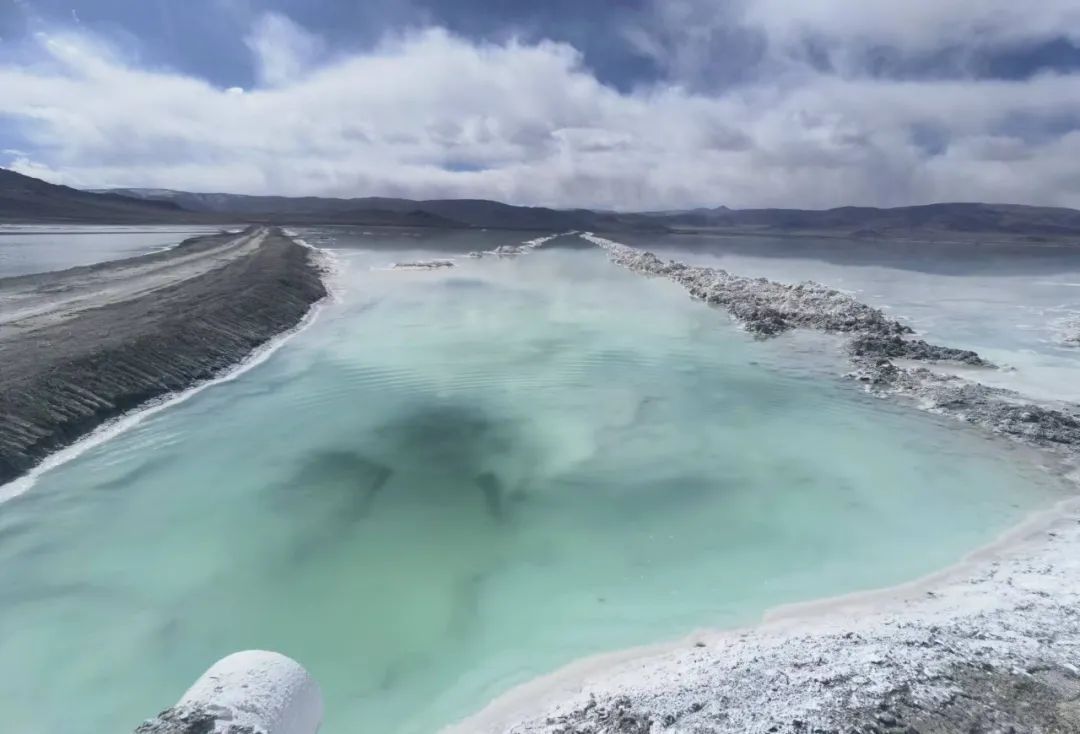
pixel 423 265
pixel 189 720
pixel 523 248
pixel 86 345
pixel 874 345
pixel 763 307
pixel 1070 332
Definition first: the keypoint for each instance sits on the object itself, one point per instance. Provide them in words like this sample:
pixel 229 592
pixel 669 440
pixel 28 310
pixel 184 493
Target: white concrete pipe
pixel 253 692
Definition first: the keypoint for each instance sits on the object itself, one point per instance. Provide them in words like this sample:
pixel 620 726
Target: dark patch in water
pixel 467 605
pixel 332 492
pixel 447 438
pixel 492 490
pixel 436 454
pixel 345 481
pixel 647 408
pixel 465 283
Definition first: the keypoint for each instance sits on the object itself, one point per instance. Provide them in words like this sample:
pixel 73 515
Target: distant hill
pixel 381 210
pixel 931 221
pixel 26 199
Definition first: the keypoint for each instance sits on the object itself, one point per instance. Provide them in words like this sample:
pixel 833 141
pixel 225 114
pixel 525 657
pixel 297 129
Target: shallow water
pixel 26 249
pixel 454 481
pixel 1010 303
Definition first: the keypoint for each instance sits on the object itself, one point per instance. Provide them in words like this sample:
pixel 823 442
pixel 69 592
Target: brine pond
pixel 453 481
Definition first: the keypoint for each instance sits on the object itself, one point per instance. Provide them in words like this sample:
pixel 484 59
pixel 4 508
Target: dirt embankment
pixel 85 345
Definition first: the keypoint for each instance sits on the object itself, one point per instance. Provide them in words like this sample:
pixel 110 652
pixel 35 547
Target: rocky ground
pixel 82 346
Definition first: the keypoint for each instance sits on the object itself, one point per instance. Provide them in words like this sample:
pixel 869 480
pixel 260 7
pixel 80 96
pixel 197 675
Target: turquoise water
pixel 455 481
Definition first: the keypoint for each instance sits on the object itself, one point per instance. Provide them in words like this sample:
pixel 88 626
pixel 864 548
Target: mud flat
pixel 989 645
pixel 83 346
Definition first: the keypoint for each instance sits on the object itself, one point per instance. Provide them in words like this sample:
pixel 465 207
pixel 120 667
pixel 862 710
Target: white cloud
pixel 283 51
pixel 432 115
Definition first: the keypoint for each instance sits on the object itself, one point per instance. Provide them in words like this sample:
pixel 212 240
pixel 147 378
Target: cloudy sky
pixel 626 104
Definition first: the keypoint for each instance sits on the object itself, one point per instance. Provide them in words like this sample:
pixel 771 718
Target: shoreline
pixel 130 337
pixel 622 680
pixel 800 667
pixel 886 355
pixel 123 423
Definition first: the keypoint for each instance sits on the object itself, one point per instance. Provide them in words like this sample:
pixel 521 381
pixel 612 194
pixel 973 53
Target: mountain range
pixel 382 210
pixel 26 199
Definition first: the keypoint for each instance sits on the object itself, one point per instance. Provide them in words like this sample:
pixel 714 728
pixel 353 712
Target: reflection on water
pixel 26 249
pixel 457 480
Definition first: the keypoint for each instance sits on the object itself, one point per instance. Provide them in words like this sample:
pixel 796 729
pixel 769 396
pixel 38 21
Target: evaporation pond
pixel 454 481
